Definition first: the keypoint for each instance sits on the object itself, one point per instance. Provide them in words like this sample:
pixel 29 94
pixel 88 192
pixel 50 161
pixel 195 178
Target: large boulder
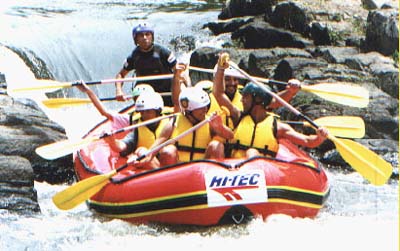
pixel 382 34
pixel 23 128
pixel 290 16
pixel 239 8
pixel 261 34
pixel 17 193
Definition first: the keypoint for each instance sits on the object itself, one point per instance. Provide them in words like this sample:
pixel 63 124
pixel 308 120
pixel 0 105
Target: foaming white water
pixel 18 75
pixel 357 216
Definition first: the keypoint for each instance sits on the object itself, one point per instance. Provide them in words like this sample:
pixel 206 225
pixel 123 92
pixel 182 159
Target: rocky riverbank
pixel 315 41
pixel 23 128
pixel 349 42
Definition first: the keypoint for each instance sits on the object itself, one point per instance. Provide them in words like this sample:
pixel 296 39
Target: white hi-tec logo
pixel 235 187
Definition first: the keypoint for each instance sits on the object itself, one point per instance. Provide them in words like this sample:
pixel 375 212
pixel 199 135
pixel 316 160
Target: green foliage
pixel 335 36
pixel 395 57
pixel 359 26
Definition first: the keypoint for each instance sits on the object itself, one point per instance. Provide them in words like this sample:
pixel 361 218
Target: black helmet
pixel 256 91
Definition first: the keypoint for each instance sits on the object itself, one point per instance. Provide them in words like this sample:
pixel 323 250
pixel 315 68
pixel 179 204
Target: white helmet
pixel 141 88
pixel 230 72
pixel 149 101
pixel 192 98
pixel 205 85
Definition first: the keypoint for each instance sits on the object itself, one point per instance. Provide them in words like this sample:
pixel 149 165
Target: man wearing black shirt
pixel 147 59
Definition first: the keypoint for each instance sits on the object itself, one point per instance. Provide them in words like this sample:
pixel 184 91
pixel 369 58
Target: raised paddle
pixel 84 189
pixel 65 147
pixel 339 92
pixel 339 126
pixel 54 103
pixel 49 85
pixel 370 165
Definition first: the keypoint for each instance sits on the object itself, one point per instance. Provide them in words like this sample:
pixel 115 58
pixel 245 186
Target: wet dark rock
pixel 287 67
pixel 206 57
pixel 240 8
pixel 23 128
pixel 387 78
pixel 382 33
pixel 227 25
pixel 334 54
pixel 290 16
pixel 320 34
pixel 262 35
pixel 17 193
pixel 263 61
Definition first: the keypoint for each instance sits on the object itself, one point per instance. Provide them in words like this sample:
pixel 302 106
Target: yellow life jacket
pixel 259 136
pixel 214 106
pixel 236 101
pixel 166 110
pixel 193 145
pixel 146 137
pixel 134 116
pixel 225 119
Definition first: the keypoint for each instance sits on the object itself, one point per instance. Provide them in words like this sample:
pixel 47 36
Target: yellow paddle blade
pixel 345 94
pixel 370 165
pixel 343 126
pixel 81 191
pixel 42 84
pixel 62 148
pixel 63 102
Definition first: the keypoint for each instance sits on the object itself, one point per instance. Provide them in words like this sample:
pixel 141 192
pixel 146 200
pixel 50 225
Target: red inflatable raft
pixel 206 192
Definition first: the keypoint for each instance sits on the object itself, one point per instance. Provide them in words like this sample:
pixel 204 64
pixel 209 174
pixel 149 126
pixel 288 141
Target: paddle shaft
pixel 264 80
pixel 260 79
pixel 129 97
pixel 141 78
pixel 54 85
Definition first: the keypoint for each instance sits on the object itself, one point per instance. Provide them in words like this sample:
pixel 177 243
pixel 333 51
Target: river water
pixel 89 40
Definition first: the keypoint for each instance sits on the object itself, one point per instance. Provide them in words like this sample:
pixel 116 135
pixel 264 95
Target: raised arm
pixel 218 128
pixel 118 85
pixel 219 90
pixel 180 77
pixel 95 100
pixel 291 90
